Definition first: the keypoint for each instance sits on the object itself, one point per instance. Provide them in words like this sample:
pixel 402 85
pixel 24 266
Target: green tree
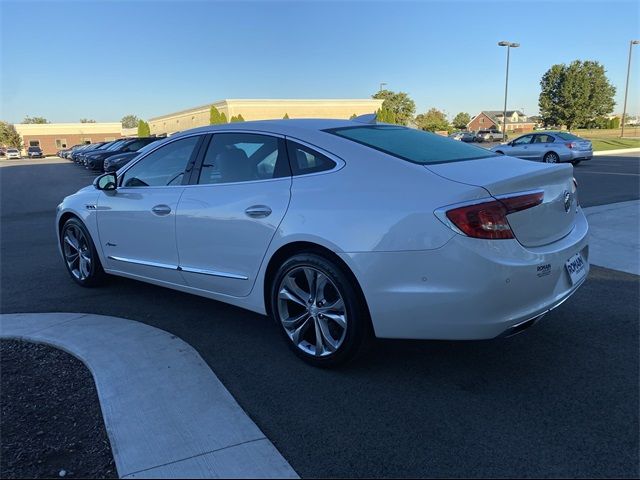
pixel 143 129
pixel 575 94
pixel 87 120
pixel 237 118
pixel 9 136
pixel 461 120
pixel 286 116
pixel 614 122
pixel 432 121
pixel 384 115
pixel 223 118
pixel 399 103
pixel 29 119
pixel 353 116
pixel 240 118
pixel 129 121
pixel 215 117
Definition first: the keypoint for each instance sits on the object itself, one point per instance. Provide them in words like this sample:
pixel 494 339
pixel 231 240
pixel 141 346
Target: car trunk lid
pixel 503 176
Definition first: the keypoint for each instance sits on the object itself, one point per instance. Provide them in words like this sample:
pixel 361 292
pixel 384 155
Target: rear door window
pixel 305 160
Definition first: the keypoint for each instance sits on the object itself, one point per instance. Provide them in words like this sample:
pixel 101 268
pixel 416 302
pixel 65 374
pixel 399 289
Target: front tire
pixel 80 255
pixel 321 313
pixel 575 163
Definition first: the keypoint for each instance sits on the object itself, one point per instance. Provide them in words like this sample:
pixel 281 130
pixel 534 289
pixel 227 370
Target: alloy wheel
pixel 77 253
pixel 312 311
pixel 551 157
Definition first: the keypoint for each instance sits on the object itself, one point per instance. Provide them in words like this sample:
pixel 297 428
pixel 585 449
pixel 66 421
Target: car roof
pixel 282 127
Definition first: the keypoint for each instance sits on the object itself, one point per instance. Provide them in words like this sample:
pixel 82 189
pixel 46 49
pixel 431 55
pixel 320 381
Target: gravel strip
pixel 50 419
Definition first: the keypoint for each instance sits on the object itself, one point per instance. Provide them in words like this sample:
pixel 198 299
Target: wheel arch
pixel 296 247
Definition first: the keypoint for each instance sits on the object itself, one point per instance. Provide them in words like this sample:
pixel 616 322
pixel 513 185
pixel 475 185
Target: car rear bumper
pixel 469 289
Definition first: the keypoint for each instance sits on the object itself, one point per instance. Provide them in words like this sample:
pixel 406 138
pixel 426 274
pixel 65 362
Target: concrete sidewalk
pixel 614 236
pixel 166 413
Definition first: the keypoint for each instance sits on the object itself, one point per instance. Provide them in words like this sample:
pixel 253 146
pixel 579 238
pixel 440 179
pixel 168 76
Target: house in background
pixel 516 121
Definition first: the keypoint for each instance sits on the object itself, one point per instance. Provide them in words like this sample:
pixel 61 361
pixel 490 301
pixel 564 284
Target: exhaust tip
pixel 521 327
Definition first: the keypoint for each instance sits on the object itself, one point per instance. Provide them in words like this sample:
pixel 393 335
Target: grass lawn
pixel 614 143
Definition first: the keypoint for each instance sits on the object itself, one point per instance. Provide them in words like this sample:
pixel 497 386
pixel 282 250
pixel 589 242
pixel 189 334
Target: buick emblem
pixel 567 201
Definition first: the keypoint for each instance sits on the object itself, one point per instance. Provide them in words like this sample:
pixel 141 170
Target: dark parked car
pixel 95 160
pixel 77 151
pixel 35 152
pixel 82 156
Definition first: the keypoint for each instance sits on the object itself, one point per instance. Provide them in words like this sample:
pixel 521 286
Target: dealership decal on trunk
pixel 544 270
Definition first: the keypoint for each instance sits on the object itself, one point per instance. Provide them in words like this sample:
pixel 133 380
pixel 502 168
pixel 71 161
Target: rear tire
pixel 500 152
pixel 551 157
pixel 575 163
pixel 321 314
pixel 80 255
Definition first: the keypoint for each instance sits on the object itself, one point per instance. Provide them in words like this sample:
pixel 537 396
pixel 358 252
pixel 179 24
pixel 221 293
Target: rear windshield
pixel 34 149
pixel 415 146
pixel 567 136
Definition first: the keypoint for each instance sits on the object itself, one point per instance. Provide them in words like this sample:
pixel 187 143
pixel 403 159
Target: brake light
pixel 488 220
pixel 575 191
pixel 570 145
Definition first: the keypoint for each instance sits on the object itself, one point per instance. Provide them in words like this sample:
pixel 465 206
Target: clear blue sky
pixel 104 59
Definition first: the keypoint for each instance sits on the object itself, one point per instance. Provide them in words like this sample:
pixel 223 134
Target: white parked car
pixel 13 153
pixel 337 229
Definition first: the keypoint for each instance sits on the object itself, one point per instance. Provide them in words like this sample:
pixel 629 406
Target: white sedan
pixel 339 230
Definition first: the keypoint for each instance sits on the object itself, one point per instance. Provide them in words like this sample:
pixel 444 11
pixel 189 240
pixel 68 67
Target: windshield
pixel 115 145
pixel 34 149
pixel 412 145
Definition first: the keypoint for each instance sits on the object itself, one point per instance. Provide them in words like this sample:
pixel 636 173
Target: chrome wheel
pixel 551 157
pixel 312 311
pixel 77 252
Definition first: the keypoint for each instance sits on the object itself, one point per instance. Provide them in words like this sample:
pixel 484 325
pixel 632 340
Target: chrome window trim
pixel 340 163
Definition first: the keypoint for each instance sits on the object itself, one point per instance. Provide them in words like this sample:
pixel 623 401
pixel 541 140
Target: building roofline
pixel 266 101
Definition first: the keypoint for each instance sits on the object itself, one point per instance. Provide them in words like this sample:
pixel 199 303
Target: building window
pixel 482 120
pixel 86 141
pixel 34 143
pixel 61 143
pixel 109 139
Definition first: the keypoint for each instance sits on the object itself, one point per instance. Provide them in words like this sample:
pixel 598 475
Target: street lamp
pixel 382 85
pixel 509 46
pixel 626 88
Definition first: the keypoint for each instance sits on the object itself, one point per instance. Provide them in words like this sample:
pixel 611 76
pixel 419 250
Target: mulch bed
pixel 50 419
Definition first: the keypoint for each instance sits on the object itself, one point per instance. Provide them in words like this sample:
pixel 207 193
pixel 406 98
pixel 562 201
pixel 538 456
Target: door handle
pixel 161 210
pixel 258 211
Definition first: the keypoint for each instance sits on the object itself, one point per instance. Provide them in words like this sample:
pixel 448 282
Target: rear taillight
pixel 575 191
pixel 570 145
pixel 488 220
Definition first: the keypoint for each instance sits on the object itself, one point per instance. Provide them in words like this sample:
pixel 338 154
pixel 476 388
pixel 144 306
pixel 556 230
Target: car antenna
pixel 371 118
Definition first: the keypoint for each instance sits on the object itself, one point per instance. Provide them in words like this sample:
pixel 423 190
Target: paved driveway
pixel 559 400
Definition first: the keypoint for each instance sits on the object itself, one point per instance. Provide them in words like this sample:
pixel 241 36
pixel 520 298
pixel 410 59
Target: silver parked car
pixel 549 147
pixel 463 136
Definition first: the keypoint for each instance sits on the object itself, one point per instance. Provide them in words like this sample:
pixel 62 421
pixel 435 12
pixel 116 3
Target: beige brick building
pixel 51 137
pixel 263 110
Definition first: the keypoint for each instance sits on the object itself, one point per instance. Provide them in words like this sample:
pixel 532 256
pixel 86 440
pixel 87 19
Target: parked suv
pixel 491 135
pixel 35 152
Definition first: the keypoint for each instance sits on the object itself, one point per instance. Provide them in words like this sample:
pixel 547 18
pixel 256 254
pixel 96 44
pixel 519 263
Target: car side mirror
pixel 107 181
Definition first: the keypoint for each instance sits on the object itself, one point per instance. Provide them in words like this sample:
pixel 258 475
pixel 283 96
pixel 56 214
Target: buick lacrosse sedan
pixel 339 230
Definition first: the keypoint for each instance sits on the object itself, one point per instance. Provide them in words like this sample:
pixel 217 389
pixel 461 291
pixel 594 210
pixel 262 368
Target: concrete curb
pixel 614 152
pixel 614 231
pixel 166 413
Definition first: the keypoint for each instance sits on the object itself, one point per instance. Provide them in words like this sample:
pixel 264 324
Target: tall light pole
pixel 509 46
pixel 382 85
pixel 626 88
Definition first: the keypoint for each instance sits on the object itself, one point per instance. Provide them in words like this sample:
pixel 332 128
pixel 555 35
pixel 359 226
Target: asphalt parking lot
pixel 560 400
